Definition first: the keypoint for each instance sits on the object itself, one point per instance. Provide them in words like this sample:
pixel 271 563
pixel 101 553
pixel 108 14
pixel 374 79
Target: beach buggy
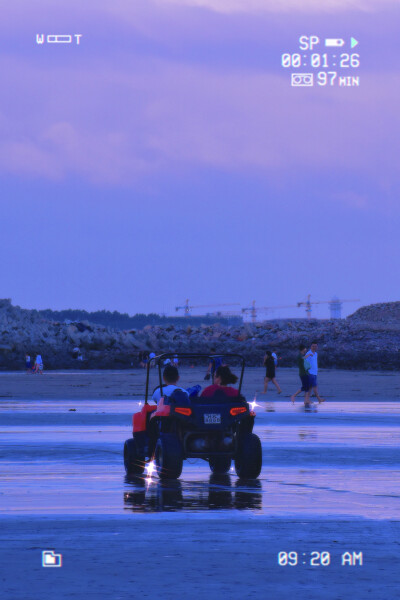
pixel 218 429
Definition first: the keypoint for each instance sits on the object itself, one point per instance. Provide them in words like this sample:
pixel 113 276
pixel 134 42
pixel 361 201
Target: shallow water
pixel 339 458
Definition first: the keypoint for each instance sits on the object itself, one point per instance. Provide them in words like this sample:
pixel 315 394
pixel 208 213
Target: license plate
pixel 212 418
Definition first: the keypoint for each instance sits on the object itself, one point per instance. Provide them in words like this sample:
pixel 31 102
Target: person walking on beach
pixel 38 368
pixel 304 367
pixel 275 357
pixel 312 357
pixel 217 361
pixel 28 364
pixel 269 365
pixel 143 358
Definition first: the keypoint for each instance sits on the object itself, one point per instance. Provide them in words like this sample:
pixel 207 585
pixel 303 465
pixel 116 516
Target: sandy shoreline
pixel 338 385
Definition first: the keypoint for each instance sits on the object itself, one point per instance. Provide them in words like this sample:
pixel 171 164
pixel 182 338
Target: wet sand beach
pixel 330 483
pixel 94 385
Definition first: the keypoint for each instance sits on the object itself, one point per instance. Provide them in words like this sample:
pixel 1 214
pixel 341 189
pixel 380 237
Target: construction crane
pixel 187 308
pixel 253 309
pixel 335 306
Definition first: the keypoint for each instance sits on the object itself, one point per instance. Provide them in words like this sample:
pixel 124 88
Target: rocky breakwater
pixel 362 341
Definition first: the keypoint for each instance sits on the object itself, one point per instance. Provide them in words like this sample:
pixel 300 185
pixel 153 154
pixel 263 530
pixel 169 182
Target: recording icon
pixel 302 80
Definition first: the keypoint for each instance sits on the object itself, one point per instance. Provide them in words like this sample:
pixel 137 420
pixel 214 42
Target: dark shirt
pixel 300 364
pixel 217 362
pixel 269 364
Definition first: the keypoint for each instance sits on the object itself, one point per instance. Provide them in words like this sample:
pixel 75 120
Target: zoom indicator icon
pixel 302 79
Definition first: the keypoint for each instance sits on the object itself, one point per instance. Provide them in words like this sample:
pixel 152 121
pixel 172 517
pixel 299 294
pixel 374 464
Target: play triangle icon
pixel 353 42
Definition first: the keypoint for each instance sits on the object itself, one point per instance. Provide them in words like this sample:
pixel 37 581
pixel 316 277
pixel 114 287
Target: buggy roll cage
pixel 211 357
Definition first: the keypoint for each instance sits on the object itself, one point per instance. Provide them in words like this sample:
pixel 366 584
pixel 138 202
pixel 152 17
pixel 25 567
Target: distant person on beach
pixel 176 360
pixel 170 378
pixel 223 377
pixel 152 355
pixel 304 367
pixel 312 357
pixel 38 368
pixel 275 357
pixel 77 354
pixel 269 365
pixel 218 361
pixel 143 359
pixel 28 364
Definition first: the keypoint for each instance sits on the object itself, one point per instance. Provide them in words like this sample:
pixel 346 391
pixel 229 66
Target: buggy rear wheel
pixel 220 464
pixel 169 456
pixel 133 461
pixel 248 460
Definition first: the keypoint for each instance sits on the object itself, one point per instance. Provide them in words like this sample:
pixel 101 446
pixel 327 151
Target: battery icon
pixel 334 42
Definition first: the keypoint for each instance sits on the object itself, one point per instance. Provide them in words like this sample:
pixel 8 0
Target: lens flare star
pixel 254 403
pixel 150 468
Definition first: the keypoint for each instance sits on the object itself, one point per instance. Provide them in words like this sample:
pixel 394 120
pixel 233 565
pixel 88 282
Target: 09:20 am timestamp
pixel 319 559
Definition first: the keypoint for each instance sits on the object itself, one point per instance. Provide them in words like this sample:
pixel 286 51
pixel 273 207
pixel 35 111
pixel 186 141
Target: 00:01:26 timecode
pixel 320 60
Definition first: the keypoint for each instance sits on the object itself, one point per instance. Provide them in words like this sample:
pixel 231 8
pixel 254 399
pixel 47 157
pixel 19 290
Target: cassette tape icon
pixel 302 79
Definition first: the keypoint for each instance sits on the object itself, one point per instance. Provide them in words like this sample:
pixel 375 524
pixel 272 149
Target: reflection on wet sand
pixel 171 496
pixel 342 459
pixel 310 434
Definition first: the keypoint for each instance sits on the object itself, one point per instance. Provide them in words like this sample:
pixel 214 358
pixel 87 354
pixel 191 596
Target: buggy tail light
pixel 237 410
pixel 183 411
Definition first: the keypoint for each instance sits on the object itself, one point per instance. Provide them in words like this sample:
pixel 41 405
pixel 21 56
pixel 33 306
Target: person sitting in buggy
pixel 223 376
pixel 170 378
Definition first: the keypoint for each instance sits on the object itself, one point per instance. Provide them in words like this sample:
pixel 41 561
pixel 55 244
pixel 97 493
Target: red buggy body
pixel 218 429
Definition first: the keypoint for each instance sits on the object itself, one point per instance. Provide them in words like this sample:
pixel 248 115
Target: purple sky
pixel 168 157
